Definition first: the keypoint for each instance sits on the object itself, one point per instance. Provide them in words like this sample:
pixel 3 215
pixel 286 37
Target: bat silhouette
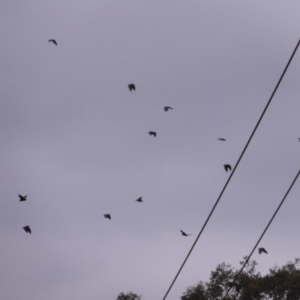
pixel 261 250
pixel 23 198
pixel 184 234
pixel 221 139
pixel 166 108
pixel 227 167
pixel 107 216
pixel 139 199
pixel 131 87
pixel 27 229
pixel 152 133
pixel 53 41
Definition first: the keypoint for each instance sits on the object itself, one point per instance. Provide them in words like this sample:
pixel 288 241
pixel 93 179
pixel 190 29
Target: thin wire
pixel 248 258
pixel 228 180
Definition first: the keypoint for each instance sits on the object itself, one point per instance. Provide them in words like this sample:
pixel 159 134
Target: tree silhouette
pixel 279 284
pixel 129 296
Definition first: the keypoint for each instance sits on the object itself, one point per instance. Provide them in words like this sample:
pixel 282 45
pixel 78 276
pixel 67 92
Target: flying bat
pixel 27 229
pixel 261 250
pixel 227 167
pixel 184 234
pixel 152 133
pixel 131 87
pixel 221 139
pixel 166 108
pixel 23 198
pixel 53 41
pixel 139 199
pixel 107 216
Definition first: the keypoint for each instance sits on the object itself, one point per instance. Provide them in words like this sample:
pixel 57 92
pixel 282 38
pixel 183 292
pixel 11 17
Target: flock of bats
pixel 131 88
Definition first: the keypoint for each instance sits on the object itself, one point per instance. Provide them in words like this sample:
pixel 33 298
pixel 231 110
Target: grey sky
pixel 75 140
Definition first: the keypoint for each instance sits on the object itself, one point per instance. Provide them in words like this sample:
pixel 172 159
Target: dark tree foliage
pixel 279 284
pixel 129 296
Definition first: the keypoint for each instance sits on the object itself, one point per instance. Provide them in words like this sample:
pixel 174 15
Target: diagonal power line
pixel 236 165
pixel 248 258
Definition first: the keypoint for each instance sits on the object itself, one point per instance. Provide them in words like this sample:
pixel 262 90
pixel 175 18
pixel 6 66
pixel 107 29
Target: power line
pixel 228 180
pixel 248 258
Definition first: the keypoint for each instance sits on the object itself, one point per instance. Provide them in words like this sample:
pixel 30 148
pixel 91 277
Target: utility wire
pixel 228 180
pixel 248 258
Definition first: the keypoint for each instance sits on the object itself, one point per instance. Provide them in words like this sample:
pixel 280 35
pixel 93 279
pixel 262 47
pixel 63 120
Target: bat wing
pixel 27 229
pixel 53 41
pixel 131 87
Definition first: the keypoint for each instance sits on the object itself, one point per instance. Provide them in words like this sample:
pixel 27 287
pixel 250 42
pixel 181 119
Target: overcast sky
pixel 75 140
